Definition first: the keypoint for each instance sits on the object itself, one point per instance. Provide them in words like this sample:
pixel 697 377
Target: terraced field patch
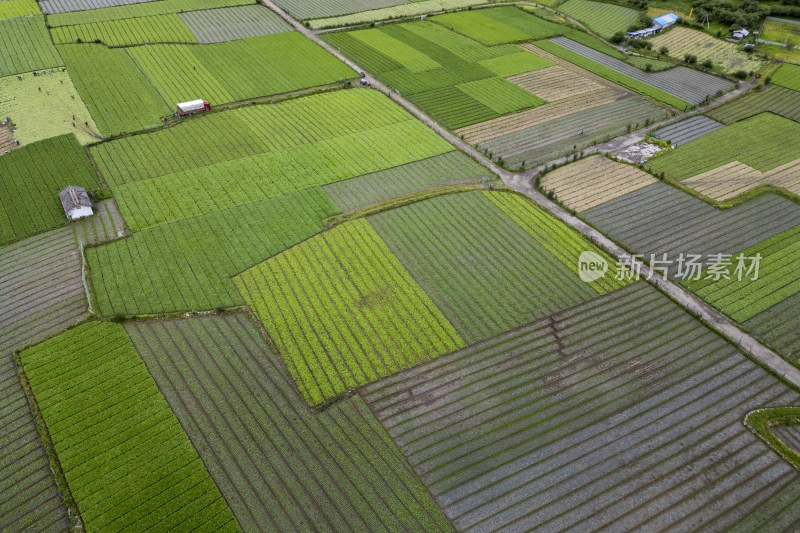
pixel 775 99
pixel 26 46
pixel 232 23
pixel 107 80
pixel 40 278
pixel 396 10
pixel 603 19
pixel 681 41
pixel 127 32
pixel 46 106
pixel 687 130
pixel 32 178
pixel 279 465
pixel 138 9
pixel 673 87
pixel 514 433
pixel 779 144
pixel 455 80
pixel 787 76
pixel 735 178
pixel 126 459
pixel 344 312
pixel 593 181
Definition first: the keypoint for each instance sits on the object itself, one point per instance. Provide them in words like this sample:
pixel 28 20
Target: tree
pixel 708 64
pixel 663 50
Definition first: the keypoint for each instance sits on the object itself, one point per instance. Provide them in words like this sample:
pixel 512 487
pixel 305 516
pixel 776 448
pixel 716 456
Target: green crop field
pixel 126 458
pixel 788 76
pixel 32 178
pixel 344 312
pixel 742 299
pixel 455 80
pixel 779 143
pixel 280 466
pixel 156 29
pixel 46 106
pixel 775 99
pixel 225 190
pixel 603 19
pixel 781 31
pixel 147 9
pixel 26 46
pixel 681 41
pixel 18 8
pixel 404 8
pixel 117 94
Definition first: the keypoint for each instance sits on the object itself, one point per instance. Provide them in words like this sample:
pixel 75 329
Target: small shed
pixel 665 21
pixel 76 202
pixel 740 34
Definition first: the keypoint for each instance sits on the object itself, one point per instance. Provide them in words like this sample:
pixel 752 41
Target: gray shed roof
pixel 73 197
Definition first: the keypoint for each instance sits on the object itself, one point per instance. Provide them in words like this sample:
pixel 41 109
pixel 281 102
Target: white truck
pixel 195 106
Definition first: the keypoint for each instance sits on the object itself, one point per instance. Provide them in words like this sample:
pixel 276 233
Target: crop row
pixel 125 457
pixel 51 7
pixel 107 81
pixel 344 312
pixel 138 9
pixel 371 189
pixel 779 143
pixel 516 433
pixel 278 465
pixel 126 32
pixel 26 46
pixel 733 179
pixel 603 19
pixel 742 299
pixel 779 327
pixel 788 76
pixel 40 279
pixel 775 99
pixel 593 181
pixel 636 221
pixel 681 41
pixel 186 265
pixel 687 130
pixel 562 135
pixel 18 8
pixel 32 178
pixel 489 275
pixel 232 23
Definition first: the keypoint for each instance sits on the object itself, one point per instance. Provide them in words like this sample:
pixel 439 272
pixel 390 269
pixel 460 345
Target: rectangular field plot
pixel 302 10
pixel 126 459
pixel 344 312
pixel 232 23
pixel 687 130
pixel 239 70
pixel 672 87
pixel 40 279
pixel 623 413
pixel 32 178
pixel 593 181
pixel 280 466
pixel 138 9
pixel 370 189
pixel 680 41
pixel 51 7
pixel 127 32
pixel 603 19
pixel 26 46
pixel 489 265
pixel 775 99
pixel 779 328
pixel 637 220
pixel 403 9
pixel 788 76
pixel 18 8
pixel 742 299
pixel 455 80
pixel 779 143
pixel 46 106
pixel 117 94
pixel 499 25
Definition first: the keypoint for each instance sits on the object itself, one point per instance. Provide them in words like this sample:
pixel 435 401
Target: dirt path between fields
pixel 523 183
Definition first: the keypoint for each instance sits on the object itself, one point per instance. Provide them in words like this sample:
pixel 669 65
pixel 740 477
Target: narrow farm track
pixel 42 293
pixel 523 183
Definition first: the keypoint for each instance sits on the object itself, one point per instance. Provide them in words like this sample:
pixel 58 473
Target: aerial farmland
pixel 399 265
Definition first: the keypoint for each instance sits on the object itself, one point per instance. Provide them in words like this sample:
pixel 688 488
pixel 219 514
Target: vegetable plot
pixel 126 459
pixel 26 46
pixel 601 18
pixel 127 32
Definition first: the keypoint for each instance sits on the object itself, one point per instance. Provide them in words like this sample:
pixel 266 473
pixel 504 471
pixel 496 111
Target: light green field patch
pixel 481 27
pixel 18 8
pixel 499 95
pixel 344 312
pixel 46 106
pixel 787 76
pixel 411 58
pixel 513 64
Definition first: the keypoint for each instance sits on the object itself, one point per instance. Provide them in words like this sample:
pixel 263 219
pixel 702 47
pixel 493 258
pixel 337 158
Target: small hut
pixel 76 202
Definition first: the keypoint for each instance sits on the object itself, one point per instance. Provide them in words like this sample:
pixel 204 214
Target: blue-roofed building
pixel 659 23
pixel 665 21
